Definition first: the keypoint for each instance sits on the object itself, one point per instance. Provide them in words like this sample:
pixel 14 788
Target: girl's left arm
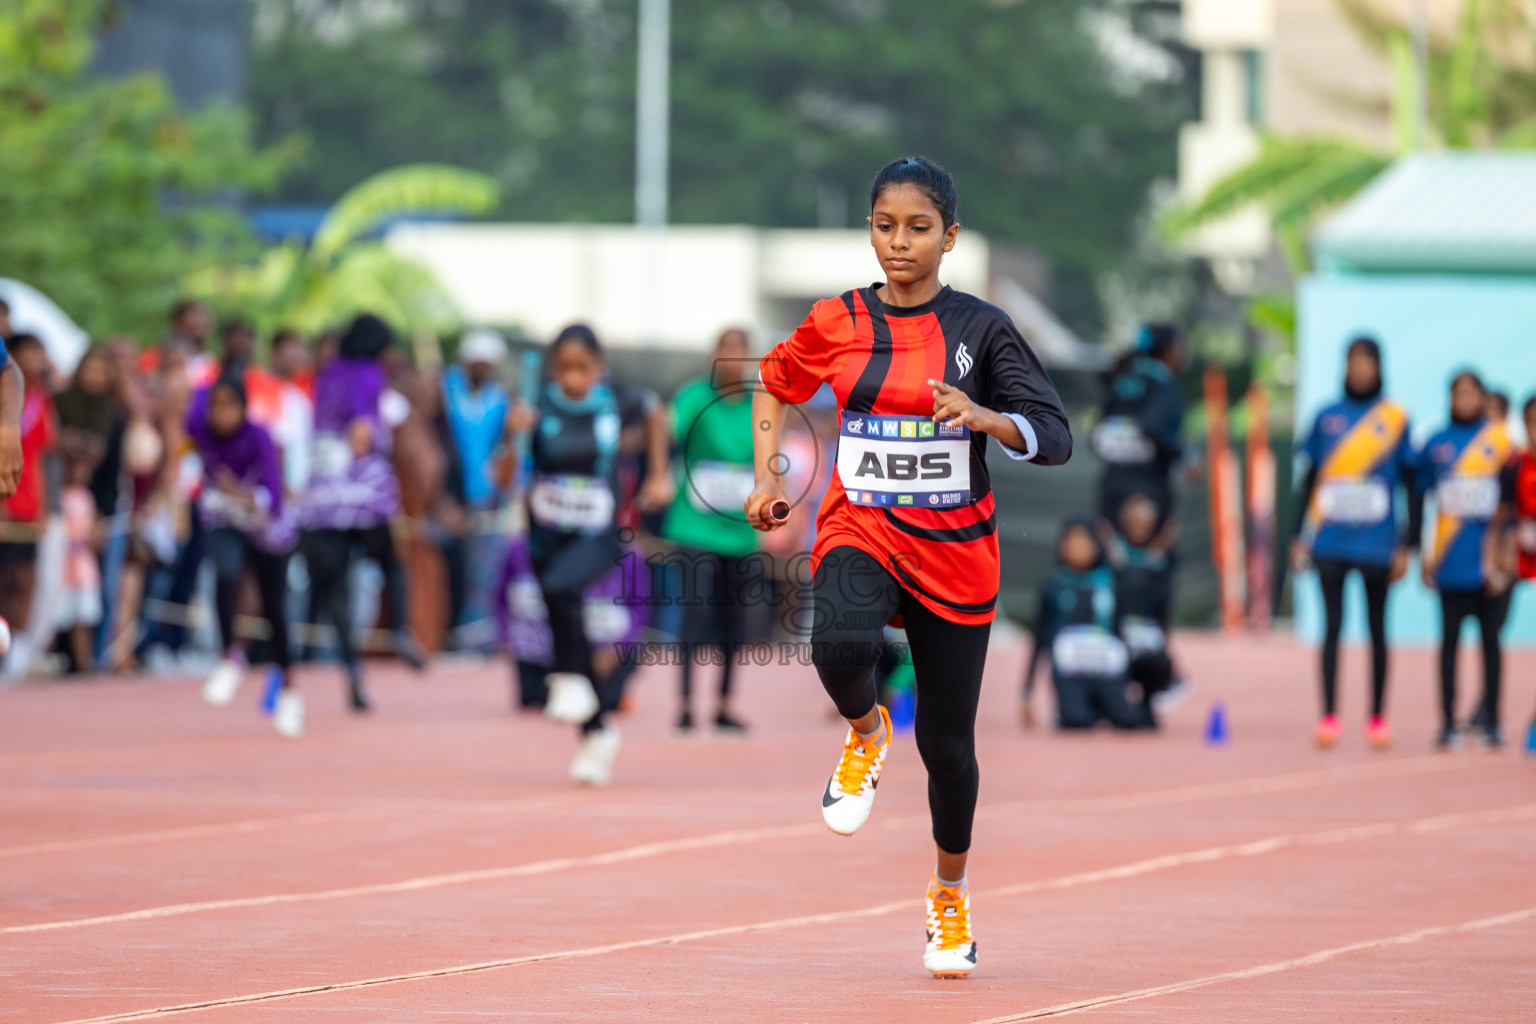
pixel 1020 406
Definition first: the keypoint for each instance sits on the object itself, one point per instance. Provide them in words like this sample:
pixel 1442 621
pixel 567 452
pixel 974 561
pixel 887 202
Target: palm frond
pixel 417 188
pixel 1280 162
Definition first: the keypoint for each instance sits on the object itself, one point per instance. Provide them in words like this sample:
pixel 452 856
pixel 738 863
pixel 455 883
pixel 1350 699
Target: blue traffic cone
pixel 1530 739
pixel 1216 726
pixel 271 690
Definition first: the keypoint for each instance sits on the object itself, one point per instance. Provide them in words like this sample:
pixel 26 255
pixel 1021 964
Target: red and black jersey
pixel 878 359
pixel 1519 487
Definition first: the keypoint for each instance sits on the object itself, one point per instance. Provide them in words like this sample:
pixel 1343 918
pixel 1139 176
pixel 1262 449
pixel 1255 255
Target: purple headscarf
pixel 248 455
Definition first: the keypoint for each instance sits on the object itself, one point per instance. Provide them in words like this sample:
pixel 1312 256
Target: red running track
pixel 160 858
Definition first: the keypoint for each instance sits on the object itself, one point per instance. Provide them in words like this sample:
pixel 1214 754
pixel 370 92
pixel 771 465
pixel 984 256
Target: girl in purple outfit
pixel 353 493
pixel 248 528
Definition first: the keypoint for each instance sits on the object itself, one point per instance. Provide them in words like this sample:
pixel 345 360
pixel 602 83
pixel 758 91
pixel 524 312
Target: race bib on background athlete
pixel 571 503
pixel 1467 497
pixel 904 461
pixel 1088 651
pixel 719 486
pixel 1142 636
pixel 1355 502
pixel 1120 441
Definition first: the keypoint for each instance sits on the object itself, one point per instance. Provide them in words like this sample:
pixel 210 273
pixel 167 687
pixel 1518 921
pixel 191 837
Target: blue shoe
pixel 271 690
pixel 1530 739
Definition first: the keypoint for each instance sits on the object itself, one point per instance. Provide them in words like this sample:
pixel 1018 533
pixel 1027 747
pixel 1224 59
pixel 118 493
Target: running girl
pixel 1462 464
pixel 243 511
pixel 908 529
pixel 578 424
pixel 1359 453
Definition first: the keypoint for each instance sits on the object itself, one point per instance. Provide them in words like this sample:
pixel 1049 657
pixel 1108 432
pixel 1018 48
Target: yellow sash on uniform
pixel 1359 451
pixel 1484 456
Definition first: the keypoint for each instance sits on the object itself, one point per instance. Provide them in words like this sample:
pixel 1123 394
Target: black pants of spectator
pixel 854 596
pixel 231 554
pixel 1490 613
pixel 714 616
pixel 456 560
pixel 567 565
pixel 1331 575
pixel 328 555
pixel 1082 702
pixel 182 575
pixel 1153 672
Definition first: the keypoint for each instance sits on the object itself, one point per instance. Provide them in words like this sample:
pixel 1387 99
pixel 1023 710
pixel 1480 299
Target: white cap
pixel 483 345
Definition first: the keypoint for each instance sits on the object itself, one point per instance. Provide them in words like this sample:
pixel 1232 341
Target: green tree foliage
pixel 1480 89
pixel 781 110
pixel 87 166
pixel 342 273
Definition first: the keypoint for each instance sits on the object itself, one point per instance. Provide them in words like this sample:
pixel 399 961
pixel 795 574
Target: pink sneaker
pixel 1379 733
pixel 1327 733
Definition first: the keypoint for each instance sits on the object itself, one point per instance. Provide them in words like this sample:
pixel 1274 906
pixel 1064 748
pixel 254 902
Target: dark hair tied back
pixel 927 177
pixel 578 334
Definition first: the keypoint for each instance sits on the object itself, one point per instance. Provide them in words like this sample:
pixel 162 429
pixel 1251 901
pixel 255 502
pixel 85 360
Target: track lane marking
pixel 1148 866
pixel 642 851
pixel 1274 967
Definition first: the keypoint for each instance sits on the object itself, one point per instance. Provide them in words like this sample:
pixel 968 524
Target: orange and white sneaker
pixel 850 793
pixel 951 951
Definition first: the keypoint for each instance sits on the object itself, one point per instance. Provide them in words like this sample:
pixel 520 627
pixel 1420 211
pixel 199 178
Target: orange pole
pixel 1226 511
pixel 1261 511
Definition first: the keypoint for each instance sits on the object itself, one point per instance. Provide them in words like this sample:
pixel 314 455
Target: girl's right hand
pixel 760 501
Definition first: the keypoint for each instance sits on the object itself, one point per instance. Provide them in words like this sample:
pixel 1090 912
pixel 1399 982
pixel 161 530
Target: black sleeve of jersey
pixel 1162 418
pixel 1413 529
pixel 1017 383
pixel 1304 497
pixel 634 404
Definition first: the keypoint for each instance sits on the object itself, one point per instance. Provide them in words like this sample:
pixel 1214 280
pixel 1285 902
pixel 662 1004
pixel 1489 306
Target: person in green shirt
pixel 712 425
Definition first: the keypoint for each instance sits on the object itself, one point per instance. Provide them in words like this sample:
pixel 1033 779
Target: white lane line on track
pixel 1275 967
pixel 1206 856
pixel 660 848
pixel 541 867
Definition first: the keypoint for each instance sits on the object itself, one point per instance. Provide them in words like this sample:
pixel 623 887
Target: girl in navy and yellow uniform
pixel 1461 465
pixel 922 375
pixel 1359 454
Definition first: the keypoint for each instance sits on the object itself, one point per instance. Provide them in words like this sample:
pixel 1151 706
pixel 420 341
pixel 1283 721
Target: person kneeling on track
pixel 1077 625
pixel 1139 554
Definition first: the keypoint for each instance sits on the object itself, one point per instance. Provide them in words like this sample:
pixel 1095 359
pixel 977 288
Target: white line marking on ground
pixel 1437 823
pixel 1259 971
pixel 642 851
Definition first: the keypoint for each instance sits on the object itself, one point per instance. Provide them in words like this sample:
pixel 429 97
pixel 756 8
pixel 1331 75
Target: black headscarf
pixel 367 338
pixel 1370 347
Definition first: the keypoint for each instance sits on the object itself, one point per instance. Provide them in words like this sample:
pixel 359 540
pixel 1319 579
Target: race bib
pixel 719 486
pixel 1142 636
pixel 905 461
pixel 1120 441
pixel 1525 535
pixel 1355 502
pixel 571 503
pixel 1088 651
pixel 332 456
pixel 1467 497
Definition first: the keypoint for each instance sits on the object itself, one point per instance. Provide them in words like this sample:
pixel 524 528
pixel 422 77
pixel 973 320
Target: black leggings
pixel 854 597
pixel 566 565
pixel 713 617
pixel 1331 574
pixel 231 553
pixel 328 558
pixel 1490 613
